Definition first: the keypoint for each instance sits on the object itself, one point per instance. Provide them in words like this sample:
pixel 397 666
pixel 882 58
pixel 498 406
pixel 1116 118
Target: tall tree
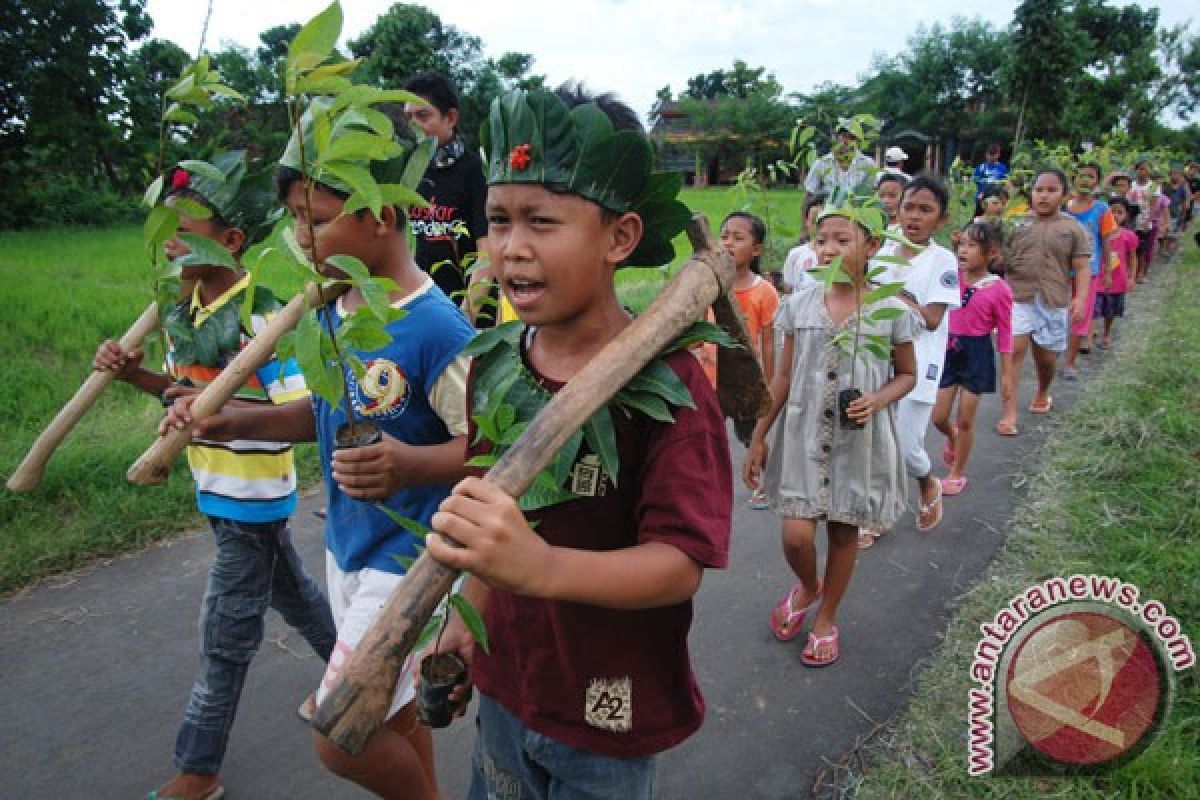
pixel 1047 47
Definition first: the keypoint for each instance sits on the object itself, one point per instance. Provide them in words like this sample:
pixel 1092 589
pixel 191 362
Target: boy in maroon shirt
pixel 589 675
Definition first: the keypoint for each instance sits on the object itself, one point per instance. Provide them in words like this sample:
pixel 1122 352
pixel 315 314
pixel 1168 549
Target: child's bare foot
pixel 189 786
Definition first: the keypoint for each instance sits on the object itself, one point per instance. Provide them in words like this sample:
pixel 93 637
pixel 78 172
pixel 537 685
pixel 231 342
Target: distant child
pixel 246 488
pixel 1093 214
pixel 588 676
pixel 995 207
pixel 802 258
pixel 1152 204
pixel 815 468
pixel 1114 281
pixel 1046 248
pixel 742 234
pixel 930 281
pixel 1180 197
pixel 413 390
pixel 889 188
pixel 970 359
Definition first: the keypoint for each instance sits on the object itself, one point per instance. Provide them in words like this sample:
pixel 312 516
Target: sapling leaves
pixel 413 526
pixel 204 169
pixel 314 356
pixel 315 41
pixel 881 314
pixel 160 225
pixel 601 439
pixel 190 208
pixel 153 191
pixel 883 291
pixel 203 251
pixel 471 619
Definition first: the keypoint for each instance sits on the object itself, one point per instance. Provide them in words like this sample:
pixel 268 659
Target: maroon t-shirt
pixel 618 682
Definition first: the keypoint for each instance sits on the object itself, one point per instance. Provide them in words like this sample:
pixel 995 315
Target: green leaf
pixel 203 168
pixel 882 292
pixel 247 306
pixel 510 434
pixel 415 527
pixel 406 562
pixel 601 439
pixel 316 40
pixel 322 375
pixel 356 271
pixel 203 251
pixel 160 225
pixel 400 196
pixel 222 90
pixel 882 353
pixel 659 379
pixel 544 492
pixel 190 208
pixel 471 619
pixel 485 460
pixel 363 189
pixel 898 260
pixel 153 191
pixel 360 146
pixel 881 314
pixel 651 405
pixel 703 331
pixel 509 332
pixel 430 631
pixel 506 415
pixel 363 332
pixel 378 121
pixel 330 84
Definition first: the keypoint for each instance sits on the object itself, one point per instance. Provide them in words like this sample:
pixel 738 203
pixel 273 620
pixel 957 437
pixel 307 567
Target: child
pixel 889 188
pixel 802 258
pixel 246 488
pixel 414 391
pixel 1149 198
pixel 1179 196
pixel 930 288
pixel 994 203
pixel 1045 248
pixel 970 361
pixel 817 469
pixel 1093 215
pixel 621 562
pixel 1114 280
pixel 742 234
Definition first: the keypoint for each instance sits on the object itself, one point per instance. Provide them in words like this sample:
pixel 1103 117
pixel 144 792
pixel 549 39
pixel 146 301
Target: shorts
pixel 1048 326
pixel 1145 242
pixel 356 599
pixel 1109 306
pixel 970 363
pixel 1084 326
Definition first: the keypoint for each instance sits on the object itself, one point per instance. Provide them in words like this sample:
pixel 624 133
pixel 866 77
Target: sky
pixel 634 48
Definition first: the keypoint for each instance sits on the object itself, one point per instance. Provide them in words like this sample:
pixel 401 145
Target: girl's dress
pixel 815 468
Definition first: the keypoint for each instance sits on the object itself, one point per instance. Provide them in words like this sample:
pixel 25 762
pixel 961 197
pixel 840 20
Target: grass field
pixel 63 291
pixel 1118 494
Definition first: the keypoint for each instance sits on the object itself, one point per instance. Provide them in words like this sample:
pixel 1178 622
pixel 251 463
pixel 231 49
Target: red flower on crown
pixel 180 179
pixel 520 159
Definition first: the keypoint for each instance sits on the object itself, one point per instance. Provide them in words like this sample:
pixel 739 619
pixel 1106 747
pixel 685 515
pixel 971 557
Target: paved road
pixel 96 666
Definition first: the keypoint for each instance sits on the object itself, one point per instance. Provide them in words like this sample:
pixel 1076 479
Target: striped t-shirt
pixel 244 480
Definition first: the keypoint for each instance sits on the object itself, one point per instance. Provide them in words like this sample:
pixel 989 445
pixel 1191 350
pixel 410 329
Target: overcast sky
pixel 634 48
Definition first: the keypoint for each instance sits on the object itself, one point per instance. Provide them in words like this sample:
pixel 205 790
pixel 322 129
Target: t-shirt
pixel 986 307
pixel 1038 257
pixel 244 480
pixel 1122 247
pixel 608 681
pixel 988 174
pixel 407 391
pixel 759 303
pixel 1145 195
pixel 799 261
pixel 446 230
pixel 930 277
pixel 827 174
pixel 1099 222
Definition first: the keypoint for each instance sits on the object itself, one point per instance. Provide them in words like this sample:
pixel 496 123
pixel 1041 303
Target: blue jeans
pixel 255 566
pixel 512 762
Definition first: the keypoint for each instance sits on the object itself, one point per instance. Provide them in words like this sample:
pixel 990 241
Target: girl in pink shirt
pixel 970 368
pixel 1113 280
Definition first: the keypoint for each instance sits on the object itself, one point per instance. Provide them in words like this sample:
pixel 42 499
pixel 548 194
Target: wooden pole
pixel 357 706
pixel 29 473
pixel 154 465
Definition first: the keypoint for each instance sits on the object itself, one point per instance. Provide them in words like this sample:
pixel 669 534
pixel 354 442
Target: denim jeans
pixel 512 762
pixel 255 566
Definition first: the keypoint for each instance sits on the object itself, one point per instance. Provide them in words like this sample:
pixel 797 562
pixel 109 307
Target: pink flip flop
pixel 953 486
pixel 793 620
pixel 815 642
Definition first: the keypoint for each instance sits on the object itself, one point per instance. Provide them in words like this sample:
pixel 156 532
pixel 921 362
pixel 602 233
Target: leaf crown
pixel 531 137
pixel 242 200
pixel 864 211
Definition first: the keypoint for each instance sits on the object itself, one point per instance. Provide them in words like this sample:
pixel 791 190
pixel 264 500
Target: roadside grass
pixel 64 290
pixel 1117 493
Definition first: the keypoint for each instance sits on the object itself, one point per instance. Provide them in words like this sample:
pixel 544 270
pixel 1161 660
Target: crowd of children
pixel 622 560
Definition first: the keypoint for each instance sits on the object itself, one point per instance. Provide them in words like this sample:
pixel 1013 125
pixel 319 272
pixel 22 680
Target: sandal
pixel 934 508
pixel 869 536
pixel 308 709
pixel 793 620
pixel 758 501
pixel 808 659
pixel 1041 408
pixel 217 793
pixel 953 486
pixel 1006 429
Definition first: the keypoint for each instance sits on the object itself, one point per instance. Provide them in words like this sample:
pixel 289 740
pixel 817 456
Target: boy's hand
pixel 455 639
pixel 216 428
pixel 374 472
pixel 1077 311
pixel 864 408
pixel 497 544
pixel 752 467
pixel 111 357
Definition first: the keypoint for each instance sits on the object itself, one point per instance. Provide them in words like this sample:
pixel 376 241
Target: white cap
pixel 895 155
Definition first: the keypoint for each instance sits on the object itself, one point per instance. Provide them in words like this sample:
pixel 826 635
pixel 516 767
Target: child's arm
pixel 499 547
pixel 766 346
pixel 904 378
pixel 756 455
pixel 127 366
pixel 290 422
pixel 1083 281
pixel 931 313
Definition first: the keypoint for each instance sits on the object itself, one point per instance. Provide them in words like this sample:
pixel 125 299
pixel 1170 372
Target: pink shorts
pixel 1084 326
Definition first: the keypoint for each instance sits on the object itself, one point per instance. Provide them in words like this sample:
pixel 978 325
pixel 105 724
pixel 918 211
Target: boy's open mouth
pixel 522 292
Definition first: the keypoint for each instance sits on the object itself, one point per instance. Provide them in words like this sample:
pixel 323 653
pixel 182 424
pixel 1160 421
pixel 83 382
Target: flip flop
pixel 1006 429
pixel 869 536
pixel 815 642
pixel 934 508
pixel 794 620
pixel 1044 408
pixel 953 486
pixel 216 794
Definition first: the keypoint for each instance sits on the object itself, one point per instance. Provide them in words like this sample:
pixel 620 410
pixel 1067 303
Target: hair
pixel 891 177
pixel 994 149
pixel 1092 165
pixel 985 234
pixel 1056 172
pixel 1125 204
pixel 1121 177
pixel 814 200
pixel 758 230
pixel 930 182
pixel 995 190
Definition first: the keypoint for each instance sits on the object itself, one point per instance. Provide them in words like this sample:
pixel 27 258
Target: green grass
pixel 63 291
pixel 1118 493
